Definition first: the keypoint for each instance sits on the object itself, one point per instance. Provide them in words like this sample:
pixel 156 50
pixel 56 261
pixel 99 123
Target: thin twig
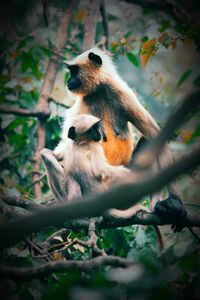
pixel 46 91
pixel 20 202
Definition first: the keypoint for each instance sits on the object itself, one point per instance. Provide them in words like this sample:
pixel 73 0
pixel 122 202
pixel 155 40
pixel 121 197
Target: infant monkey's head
pixel 85 129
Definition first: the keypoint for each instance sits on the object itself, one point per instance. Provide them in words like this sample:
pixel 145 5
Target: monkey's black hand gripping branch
pixel 172 208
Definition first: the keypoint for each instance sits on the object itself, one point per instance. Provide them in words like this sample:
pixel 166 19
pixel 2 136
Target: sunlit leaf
pixel 133 59
pixel 184 77
pixel 80 248
pixel 14 251
pixel 58 238
pixel 57 256
pixel 80 15
pixel 148 50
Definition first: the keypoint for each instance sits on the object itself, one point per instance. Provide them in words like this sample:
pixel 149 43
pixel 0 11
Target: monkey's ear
pixel 94 132
pixel 72 133
pixel 95 59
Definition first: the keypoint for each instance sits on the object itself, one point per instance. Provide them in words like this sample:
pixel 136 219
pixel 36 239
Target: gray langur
pixel 101 92
pixel 85 162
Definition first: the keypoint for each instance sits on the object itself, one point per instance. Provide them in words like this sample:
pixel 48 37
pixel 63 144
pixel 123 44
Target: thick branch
pixel 92 7
pixel 140 218
pixel 120 197
pixel 19 202
pixel 104 23
pixel 46 91
pixel 145 218
pixel 63 266
pixel 42 114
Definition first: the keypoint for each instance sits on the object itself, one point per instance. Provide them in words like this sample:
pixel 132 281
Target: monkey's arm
pixel 55 174
pixel 64 188
pixel 141 118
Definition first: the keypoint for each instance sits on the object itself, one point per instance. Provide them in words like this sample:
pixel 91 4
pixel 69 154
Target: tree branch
pixel 63 266
pixel 104 23
pixel 19 202
pixel 58 103
pixel 42 114
pixel 131 193
pixel 46 91
pixel 90 24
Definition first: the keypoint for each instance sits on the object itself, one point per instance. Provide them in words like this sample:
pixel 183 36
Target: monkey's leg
pixel 171 207
pixel 55 174
pixel 72 188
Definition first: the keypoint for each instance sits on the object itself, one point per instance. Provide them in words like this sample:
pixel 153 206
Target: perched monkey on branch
pixel 103 93
pixel 86 170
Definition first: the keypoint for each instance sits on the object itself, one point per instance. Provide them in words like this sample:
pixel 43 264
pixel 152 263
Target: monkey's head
pixel 85 129
pixel 88 70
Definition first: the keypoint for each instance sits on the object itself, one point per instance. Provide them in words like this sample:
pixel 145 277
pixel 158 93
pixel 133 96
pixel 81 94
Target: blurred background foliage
pixel 159 57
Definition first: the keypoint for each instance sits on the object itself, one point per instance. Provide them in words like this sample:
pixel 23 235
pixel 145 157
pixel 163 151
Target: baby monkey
pixel 85 163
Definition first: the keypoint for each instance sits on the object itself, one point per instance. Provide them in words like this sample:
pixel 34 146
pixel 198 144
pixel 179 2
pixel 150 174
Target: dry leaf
pixel 186 136
pixel 58 256
pixel 148 50
pixel 80 16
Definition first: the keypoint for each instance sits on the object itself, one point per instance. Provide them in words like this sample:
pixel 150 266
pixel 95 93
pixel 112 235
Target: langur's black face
pixel 92 134
pixel 74 83
pixel 81 77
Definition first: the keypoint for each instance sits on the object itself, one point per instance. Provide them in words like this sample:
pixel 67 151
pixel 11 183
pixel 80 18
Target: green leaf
pixel 133 59
pixel 30 62
pixel 145 39
pixel 67 75
pixel 127 34
pixel 184 76
pixel 196 132
pixel 165 24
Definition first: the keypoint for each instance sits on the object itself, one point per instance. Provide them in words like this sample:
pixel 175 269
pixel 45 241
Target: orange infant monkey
pixel 101 92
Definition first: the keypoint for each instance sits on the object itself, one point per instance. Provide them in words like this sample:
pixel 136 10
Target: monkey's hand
pixel 60 150
pixel 172 208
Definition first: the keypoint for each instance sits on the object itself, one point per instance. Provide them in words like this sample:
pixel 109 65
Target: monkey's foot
pixel 172 208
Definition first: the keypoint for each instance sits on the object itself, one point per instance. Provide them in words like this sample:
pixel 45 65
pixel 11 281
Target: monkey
pixel 101 92
pixel 86 165
pixel 86 170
